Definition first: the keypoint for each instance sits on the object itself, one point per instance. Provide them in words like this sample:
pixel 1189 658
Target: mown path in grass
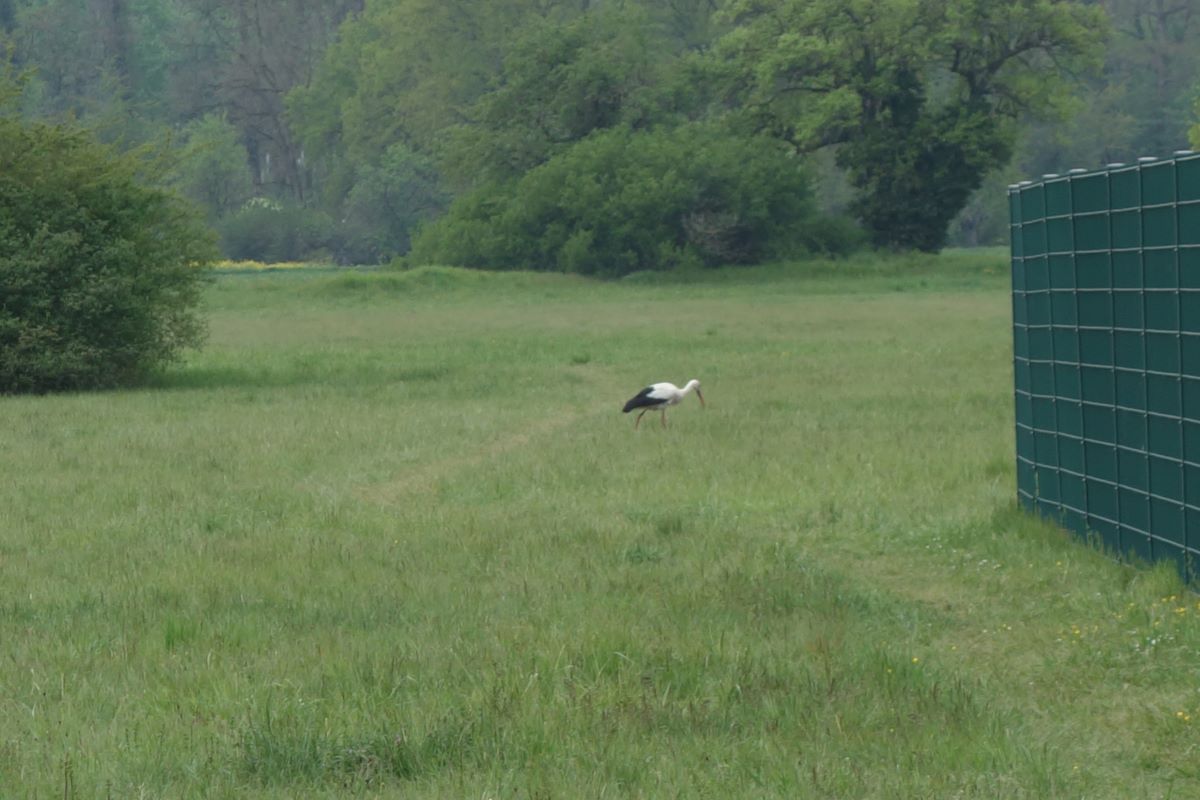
pixel 425 476
pixel 389 535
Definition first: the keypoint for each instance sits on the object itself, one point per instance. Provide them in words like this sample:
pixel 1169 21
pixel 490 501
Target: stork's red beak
pixel 701 398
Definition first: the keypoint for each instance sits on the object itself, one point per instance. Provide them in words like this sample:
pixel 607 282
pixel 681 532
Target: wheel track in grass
pixel 425 477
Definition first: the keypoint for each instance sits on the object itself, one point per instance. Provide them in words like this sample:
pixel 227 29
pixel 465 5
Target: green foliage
pixel 621 201
pixel 830 234
pixel 915 174
pixel 385 206
pixel 213 169
pixel 922 98
pixel 99 274
pixel 560 82
pixel 405 71
pixel 1141 102
pixel 922 94
pixel 486 90
pixel 1138 104
pixel 264 230
pixel 984 220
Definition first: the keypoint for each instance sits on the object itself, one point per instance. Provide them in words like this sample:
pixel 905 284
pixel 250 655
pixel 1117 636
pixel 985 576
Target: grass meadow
pixel 389 535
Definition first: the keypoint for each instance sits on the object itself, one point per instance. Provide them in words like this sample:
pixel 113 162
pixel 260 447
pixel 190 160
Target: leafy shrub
pixel 621 201
pixel 264 230
pixel 100 274
pixel 831 235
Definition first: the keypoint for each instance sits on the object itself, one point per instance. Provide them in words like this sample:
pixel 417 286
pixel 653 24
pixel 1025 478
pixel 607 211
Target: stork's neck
pixel 692 384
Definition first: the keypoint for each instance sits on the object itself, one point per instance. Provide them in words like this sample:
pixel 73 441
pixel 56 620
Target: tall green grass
pixel 389 535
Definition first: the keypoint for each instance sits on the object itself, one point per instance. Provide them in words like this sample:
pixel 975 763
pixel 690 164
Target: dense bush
pixel 831 235
pixel 99 273
pixel 621 201
pixel 265 230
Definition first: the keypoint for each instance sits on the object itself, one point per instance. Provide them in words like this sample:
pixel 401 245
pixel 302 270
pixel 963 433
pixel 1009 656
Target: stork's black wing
pixel 641 400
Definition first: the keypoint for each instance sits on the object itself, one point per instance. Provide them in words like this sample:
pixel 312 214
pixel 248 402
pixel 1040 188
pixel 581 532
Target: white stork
pixel 659 396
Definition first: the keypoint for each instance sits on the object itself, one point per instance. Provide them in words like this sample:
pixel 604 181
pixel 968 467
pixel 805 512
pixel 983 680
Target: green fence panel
pixel 1106 354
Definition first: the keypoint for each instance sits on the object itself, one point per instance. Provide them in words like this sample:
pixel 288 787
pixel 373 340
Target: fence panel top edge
pixel 1178 157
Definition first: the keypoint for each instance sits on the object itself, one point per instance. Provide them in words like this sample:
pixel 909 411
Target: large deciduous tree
pixel 920 96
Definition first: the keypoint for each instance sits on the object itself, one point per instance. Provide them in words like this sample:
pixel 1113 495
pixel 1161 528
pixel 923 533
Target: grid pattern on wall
pixel 1106 354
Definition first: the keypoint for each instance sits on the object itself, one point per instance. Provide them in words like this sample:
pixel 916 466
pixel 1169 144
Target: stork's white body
pixel 658 396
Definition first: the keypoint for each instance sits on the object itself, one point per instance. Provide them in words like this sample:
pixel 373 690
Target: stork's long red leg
pixel 664 417
pixel 639 419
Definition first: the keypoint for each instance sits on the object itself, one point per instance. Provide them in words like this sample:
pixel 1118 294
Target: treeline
pixel 603 136
pixel 1140 99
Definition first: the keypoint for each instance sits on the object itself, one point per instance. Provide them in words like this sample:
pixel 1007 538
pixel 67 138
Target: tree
pixel 691 23
pixel 560 82
pixel 212 167
pixel 100 274
pixel 922 96
pixel 387 204
pixel 243 59
pixel 1137 104
pixel 399 79
pixel 93 55
pixel 1154 57
pixel 403 71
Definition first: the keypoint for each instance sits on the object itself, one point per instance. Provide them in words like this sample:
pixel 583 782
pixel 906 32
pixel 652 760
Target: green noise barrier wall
pixel 1106 354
